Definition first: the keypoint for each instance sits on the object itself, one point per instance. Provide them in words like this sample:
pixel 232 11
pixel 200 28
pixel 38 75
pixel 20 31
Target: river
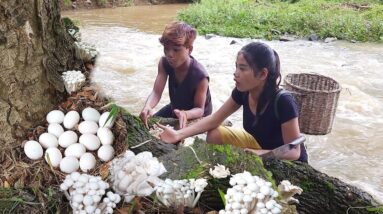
pixel 127 39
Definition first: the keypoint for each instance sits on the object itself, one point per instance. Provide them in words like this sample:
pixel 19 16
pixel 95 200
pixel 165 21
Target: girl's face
pixel 244 77
pixel 176 54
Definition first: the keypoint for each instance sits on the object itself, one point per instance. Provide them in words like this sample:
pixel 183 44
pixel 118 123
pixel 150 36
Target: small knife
pixel 280 151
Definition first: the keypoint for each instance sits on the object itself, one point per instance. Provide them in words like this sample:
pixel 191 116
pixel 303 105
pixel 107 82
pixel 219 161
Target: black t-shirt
pixel 267 128
pixel 182 95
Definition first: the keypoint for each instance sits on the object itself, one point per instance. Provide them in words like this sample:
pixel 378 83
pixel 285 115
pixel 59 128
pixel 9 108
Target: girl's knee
pixel 214 137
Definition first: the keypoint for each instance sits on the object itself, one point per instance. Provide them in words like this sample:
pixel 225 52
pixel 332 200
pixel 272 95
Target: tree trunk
pixel 34 50
pixel 321 193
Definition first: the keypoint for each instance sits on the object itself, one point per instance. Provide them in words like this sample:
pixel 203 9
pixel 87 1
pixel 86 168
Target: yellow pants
pixel 238 137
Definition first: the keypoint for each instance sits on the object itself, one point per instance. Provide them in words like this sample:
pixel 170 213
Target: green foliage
pixel 70 24
pixel 378 210
pixel 128 3
pixel 114 110
pixel 101 2
pixel 344 19
pixel 67 2
pixel 222 195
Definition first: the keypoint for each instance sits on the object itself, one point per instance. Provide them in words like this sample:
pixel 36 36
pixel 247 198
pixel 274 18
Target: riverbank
pixel 352 21
pixel 94 4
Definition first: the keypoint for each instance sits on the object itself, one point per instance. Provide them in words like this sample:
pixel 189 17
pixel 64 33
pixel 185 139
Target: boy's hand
pixel 182 117
pixel 145 114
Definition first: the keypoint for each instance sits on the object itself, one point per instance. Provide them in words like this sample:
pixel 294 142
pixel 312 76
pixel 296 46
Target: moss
pixel 307 186
pixel 195 172
pixel 378 209
pixel 227 150
pixel 330 187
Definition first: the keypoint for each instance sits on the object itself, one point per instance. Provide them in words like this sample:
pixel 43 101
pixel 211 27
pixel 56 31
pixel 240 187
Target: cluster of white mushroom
pixel 176 193
pixel 86 194
pixel 73 80
pixel 288 190
pixel 219 171
pixel 250 194
pixel 85 51
pixel 76 35
pixel 76 155
pixel 135 175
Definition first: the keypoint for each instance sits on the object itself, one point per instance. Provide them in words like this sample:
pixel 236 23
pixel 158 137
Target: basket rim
pixel 312 90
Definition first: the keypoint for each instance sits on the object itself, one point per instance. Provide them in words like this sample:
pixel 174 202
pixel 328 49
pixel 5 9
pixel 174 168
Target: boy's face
pixel 176 54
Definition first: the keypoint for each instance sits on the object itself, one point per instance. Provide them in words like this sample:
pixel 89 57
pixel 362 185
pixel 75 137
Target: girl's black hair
pixel 259 56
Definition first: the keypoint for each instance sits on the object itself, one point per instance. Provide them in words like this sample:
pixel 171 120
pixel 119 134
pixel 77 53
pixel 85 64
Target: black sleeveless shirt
pixel 182 95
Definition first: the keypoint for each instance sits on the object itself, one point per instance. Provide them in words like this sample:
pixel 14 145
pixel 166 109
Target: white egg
pixel 67 138
pixel 53 156
pixel 105 153
pixel 69 164
pixel 106 136
pixel 75 150
pixel 55 129
pixel 55 116
pixel 90 141
pixel 71 119
pixel 33 150
pixel 103 118
pixel 90 114
pixel 87 162
pixel 88 127
pixel 48 140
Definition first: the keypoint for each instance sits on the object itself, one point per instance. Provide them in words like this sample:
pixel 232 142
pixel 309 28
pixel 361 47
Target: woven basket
pixel 317 98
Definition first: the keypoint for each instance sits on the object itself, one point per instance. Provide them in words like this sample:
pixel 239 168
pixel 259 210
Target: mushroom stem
pixel 196 199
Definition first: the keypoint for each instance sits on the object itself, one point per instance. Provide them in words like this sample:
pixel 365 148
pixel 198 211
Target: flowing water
pixel 127 39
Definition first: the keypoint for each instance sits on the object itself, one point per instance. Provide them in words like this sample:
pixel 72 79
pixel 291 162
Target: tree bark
pixel 34 50
pixel 321 193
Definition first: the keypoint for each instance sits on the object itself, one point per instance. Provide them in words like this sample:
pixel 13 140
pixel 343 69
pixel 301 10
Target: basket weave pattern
pixel 317 98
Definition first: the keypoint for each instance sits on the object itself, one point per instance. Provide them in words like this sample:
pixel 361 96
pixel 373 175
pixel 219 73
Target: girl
pixel 188 80
pixel 257 77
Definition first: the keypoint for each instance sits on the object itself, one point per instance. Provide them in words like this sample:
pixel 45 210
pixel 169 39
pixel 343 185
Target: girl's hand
pixel 145 114
pixel 182 117
pixel 169 135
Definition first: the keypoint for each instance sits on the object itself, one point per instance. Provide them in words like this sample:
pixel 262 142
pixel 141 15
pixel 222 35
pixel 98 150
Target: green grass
pixel 360 20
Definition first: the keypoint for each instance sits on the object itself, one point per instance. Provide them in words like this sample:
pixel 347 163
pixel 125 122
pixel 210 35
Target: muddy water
pixel 127 39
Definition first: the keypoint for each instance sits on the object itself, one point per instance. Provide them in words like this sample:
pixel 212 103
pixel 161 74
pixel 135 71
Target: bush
pixel 272 18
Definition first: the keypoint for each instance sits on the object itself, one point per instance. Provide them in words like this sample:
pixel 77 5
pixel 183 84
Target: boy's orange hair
pixel 178 33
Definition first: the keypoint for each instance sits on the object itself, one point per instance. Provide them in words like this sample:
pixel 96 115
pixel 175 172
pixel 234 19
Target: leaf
pixel 113 113
pixel 222 194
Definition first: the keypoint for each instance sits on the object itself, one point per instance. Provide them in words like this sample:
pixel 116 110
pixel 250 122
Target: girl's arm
pixel 210 122
pixel 290 132
pixel 155 95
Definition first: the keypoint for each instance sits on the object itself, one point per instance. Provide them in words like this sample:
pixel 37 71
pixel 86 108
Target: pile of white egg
pixel 85 51
pixel 135 175
pixel 250 194
pixel 86 194
pixel 175 193
pixel 73 80
pixel 95 135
